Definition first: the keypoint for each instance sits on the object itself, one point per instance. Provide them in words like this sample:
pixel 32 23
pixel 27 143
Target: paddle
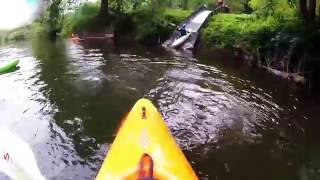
pixel 16 157
pixel 172 24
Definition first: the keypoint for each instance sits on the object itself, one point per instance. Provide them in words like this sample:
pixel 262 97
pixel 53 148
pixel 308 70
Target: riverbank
pixel 285 47
pixel 144 25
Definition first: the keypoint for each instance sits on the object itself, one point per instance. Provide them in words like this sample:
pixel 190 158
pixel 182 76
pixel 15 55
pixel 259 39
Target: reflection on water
pixel 232 122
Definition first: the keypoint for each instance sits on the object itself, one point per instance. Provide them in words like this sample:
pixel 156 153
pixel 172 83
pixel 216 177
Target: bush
pixel 147 25
pixel 280 9
pixel 154 26
pixel 39 28
pixel 17 34
pixel 226 30
pixel 176 16
pixel 81 20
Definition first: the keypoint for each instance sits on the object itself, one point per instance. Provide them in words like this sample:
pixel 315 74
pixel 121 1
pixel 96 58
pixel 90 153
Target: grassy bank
pixel 227 30
pixel 278 44
pixel 230 30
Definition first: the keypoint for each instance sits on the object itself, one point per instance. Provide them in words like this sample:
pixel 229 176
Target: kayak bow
pixel 9 66
pixel 145 149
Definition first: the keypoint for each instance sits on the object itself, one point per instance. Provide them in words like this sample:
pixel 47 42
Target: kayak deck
pixel 144 136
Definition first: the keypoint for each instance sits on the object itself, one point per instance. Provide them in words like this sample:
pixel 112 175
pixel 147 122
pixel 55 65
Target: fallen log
pixel 294 77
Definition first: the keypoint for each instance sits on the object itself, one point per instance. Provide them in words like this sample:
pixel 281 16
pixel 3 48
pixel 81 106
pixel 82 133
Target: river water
pixel 232 122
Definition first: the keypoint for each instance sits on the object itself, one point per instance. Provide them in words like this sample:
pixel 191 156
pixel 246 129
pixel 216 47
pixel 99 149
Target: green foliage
pixel 236 5
pixel 39 28
pixel 176 16
pixel 143 5
pixel 280 9
pixel 318 10
pixel 232 29
pixel 49 22
pixel 133 5
pixel 17 34
pixel 148 24
pixel 157 25
pixel 197 3
pixel 239 5
pixel 53 14
pixel 258 29
pixel 81 20
pixel 119 5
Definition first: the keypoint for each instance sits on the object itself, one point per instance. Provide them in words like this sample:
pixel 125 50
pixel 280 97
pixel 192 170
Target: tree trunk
pixel 135 5
pixel 155 6
pixel 170 3
pixel 185 4
pixel 246 6
pixel 304 10
pixel 104 9
pixel 312 11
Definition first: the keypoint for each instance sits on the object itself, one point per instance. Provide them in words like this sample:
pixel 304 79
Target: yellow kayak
pixel 144 149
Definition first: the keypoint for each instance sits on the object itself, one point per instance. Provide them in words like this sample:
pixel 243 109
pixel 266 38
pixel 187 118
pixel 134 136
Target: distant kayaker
pixel 221 6
pixel 219 3
pixel 183 30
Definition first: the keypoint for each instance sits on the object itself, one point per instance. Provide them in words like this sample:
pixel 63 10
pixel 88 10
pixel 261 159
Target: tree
pixel 53 17
pixel 246 6
pixel 312 11
pixel 308 10
pixel 277 8
pixel 184 4
pixel 104 9
pixel 303 9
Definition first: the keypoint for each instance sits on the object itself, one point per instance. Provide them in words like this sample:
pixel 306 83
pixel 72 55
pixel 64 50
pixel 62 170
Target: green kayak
pixel 9 66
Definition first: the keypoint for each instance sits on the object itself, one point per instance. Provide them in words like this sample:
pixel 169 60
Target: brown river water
pixel 66 100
